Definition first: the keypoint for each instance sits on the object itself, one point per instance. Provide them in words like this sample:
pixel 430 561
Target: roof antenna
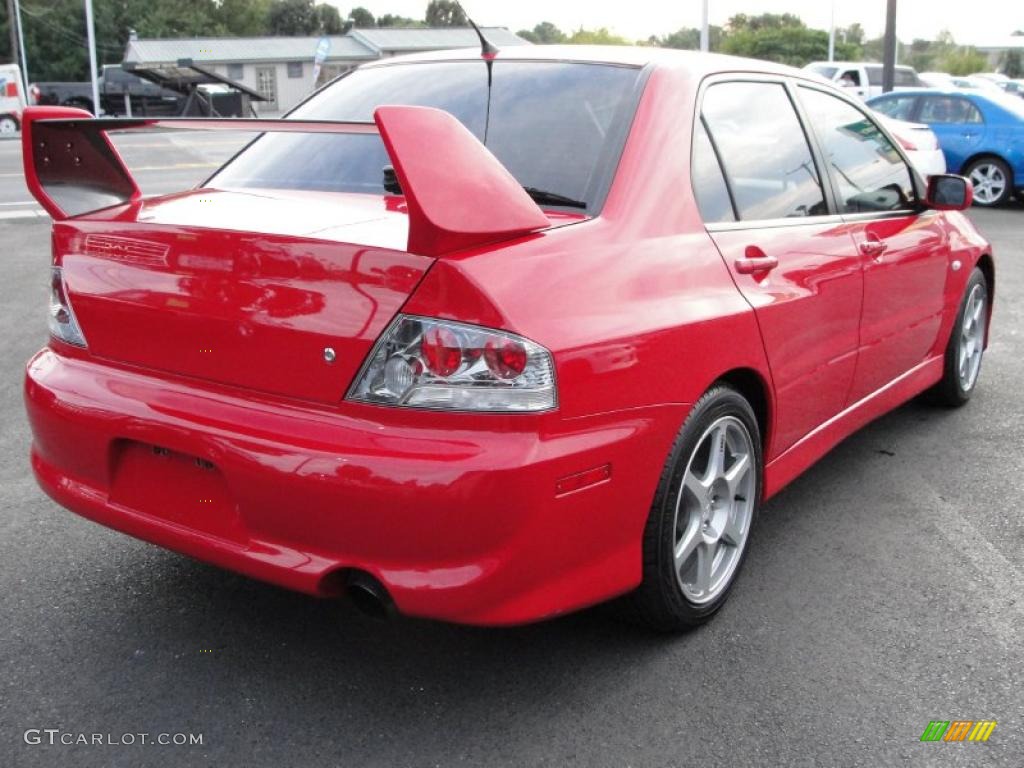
pixel 487 49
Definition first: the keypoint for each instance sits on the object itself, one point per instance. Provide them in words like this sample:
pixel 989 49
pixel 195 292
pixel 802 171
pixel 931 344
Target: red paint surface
pixel 488 519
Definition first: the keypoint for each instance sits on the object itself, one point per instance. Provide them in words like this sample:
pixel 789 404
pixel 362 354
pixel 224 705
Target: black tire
pixel 952 391
pixel 1007 175
pixel 659 601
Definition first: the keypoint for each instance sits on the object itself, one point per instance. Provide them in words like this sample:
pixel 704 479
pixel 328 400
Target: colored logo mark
pixel 958 730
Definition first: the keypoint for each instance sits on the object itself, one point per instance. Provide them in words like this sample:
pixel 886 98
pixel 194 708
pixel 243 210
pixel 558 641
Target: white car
pixel 863 79
pixel 920 144
pixel 971 83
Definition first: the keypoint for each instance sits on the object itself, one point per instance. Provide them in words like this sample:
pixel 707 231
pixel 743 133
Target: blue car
pixel 981 135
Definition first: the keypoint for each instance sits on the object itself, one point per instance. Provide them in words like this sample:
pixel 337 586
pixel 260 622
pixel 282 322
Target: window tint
pixel 899 107
pixel 825 70
pixel 874 74
pixel 868 172
pixel 557 126
pixel 948 109
pixel 236 71
pixel 767 161
pixel 707 179
pixel 905 77
pixel 294 69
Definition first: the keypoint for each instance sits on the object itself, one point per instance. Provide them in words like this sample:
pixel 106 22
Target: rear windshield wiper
pixel 544 197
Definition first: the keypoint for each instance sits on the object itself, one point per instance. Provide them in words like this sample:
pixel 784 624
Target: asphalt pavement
pixel 884 590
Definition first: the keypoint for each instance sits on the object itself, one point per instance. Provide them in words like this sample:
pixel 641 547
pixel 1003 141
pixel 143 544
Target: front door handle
pixel 751 264
pixel 873 248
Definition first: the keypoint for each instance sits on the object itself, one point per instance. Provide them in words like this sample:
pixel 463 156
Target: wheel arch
pixel 987 266
pixel 987 154
pixel 749 383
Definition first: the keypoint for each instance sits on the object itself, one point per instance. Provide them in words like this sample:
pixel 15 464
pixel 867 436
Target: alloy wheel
pixel 714 510
pixel 989 182
pixel 972 338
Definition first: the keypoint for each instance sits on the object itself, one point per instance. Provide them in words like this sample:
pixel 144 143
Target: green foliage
pixel 786 44
pixel 445 13
pixel 393 20
pixel 963 61
pixel 543 33
pixel 595 37
pixel 361 18
pixel 688 39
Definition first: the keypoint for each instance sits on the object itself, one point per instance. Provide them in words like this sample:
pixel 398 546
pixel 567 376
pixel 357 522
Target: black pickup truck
pixel 119 91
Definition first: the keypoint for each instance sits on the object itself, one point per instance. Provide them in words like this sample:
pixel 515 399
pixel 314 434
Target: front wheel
pixel 992 180
pixel 8 124
pixel 966 345
pixel 696 535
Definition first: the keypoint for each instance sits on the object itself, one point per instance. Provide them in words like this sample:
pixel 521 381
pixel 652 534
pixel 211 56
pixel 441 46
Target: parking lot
pixel 884 590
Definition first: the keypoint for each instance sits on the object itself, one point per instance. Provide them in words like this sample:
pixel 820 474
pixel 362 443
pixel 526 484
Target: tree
pixel 963 61
pixel 328 21
pixel 393 20
pixel 783 38
pixel 293 17
pixel 688 39
pixel 595 37
pixel 543 33
pixel 446 13
pixel 360 18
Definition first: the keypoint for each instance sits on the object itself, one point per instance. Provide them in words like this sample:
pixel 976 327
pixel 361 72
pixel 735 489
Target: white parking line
pixel 34 213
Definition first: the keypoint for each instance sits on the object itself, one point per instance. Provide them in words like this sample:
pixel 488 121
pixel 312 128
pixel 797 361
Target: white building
pixel 281 68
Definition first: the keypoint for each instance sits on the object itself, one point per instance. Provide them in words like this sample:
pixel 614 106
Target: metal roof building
pixel 281 68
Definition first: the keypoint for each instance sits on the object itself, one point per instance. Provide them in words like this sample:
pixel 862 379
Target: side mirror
pixel 947 192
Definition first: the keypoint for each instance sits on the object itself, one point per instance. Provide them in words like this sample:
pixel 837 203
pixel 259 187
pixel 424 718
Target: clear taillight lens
pixel 63 324
pixel 424 363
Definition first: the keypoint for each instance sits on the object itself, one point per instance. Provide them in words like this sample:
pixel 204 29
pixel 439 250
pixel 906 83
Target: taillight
pixel 907 145
pixel 63 324
pixel 425 363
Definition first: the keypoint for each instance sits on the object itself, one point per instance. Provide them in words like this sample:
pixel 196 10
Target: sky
pixel 970 21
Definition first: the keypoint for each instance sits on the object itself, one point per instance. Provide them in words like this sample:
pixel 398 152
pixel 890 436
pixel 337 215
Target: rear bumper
pixel 460 524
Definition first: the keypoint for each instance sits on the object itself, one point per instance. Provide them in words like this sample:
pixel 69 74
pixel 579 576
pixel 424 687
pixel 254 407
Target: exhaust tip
pixel 369 596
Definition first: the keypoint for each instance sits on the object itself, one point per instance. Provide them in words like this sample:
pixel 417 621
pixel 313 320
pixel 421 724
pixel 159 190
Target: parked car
pixel 920 143
pixel 946 81
pixel 119 91
pixel 863 79
pixel 12 98
pixel 981 134
pixel 492 384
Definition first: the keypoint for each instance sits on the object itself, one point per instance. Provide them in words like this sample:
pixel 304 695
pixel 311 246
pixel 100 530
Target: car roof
pixel 853 64
pixel 696 63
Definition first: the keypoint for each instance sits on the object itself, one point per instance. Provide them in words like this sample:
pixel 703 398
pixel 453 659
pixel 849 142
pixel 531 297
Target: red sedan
pixel 489 339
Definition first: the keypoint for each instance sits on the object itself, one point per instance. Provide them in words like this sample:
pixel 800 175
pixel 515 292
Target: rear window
pixel 898 107
pixel 556 126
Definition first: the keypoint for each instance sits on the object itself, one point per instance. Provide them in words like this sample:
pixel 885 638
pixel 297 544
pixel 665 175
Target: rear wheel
pixel 8 124
pixel 966 345
pixel 696 536
pixel 992 180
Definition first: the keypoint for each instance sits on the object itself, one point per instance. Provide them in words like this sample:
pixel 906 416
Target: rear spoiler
pixel 458 195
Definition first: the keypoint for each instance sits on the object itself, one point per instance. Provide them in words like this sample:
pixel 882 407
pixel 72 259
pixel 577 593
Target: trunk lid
pixel 242 289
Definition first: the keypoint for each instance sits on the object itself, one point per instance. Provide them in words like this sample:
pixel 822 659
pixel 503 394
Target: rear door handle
pixel 873 248
pixel 749 265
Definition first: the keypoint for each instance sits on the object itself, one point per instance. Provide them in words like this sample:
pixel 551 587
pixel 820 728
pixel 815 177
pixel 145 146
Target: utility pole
pixel 13 30
pixel 90 30
pixel 16 19
pixel 832 34
pixel 889 59
pixel 705 42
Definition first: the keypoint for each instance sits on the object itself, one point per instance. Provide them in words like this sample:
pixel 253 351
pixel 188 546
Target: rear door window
pixel 868 172
pixel 948 109
pixel 767 160
pixel 709 185
pixel 898 107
